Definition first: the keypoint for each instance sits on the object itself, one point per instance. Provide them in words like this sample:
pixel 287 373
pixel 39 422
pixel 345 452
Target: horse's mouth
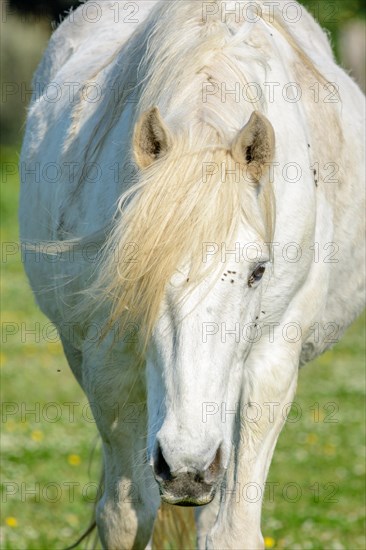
pixel 187 500
pixel 184 490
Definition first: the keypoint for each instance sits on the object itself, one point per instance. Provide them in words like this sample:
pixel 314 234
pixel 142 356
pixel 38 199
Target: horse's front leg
pixel 115 387
pixel 268 390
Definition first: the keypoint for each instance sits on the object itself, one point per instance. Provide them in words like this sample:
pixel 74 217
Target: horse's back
pixel 90 34
pixel 69 91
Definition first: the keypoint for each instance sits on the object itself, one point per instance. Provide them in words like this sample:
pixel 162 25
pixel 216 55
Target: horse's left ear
pixel 151 138
pixel 254 145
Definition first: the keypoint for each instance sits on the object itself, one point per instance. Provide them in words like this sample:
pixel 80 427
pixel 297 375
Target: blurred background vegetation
pixel 323 459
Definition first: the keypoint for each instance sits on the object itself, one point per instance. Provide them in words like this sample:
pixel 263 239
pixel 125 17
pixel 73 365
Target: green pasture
pixel 316 492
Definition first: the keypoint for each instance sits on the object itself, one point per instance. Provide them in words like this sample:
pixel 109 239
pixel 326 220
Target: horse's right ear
pixel 151 138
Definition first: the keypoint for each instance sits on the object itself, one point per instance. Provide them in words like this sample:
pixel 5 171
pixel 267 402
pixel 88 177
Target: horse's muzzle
pixel 188 488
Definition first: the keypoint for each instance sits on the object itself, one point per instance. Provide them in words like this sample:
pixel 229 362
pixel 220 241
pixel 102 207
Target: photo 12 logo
pixel 251 12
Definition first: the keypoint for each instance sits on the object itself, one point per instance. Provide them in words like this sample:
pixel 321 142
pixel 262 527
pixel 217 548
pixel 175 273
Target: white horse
pixel 234 256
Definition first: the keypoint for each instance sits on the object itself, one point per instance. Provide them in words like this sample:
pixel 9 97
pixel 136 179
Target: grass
pixel 48 489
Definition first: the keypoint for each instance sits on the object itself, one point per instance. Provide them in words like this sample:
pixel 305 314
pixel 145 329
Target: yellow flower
pixel 3 359
pixel 269 542
pixel 74 460
pixel 329 449
pixel 10 425
pixel 37 435
pixel 54 348
pixel 11 522
pixel 311 439
pixel 72 519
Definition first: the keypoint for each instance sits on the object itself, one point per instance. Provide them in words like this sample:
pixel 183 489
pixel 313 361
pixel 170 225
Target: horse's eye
pixel 256 275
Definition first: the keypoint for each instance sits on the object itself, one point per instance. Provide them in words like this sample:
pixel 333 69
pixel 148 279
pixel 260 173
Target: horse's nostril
pixel 215 468
pixel 161 467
